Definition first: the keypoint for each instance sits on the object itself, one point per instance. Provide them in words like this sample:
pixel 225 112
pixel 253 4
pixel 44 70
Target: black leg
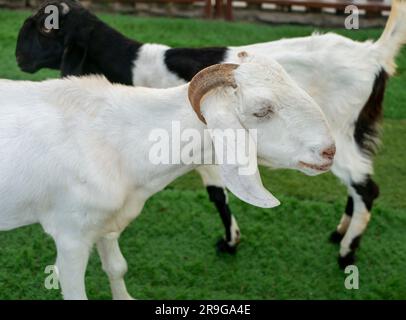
pixel 229 243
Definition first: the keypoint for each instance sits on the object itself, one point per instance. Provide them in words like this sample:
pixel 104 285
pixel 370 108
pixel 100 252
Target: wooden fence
pixel 225 8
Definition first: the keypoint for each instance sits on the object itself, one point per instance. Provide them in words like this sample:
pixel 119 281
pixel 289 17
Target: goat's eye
pixel 46 30
pixel 264 113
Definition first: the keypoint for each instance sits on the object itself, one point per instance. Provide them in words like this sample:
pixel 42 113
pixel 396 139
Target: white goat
pixel 74 153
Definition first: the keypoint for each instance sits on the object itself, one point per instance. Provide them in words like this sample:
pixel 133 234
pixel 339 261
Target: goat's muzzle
pixel 219 75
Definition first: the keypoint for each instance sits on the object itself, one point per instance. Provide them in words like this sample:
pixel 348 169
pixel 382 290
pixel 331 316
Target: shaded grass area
pixel 284 252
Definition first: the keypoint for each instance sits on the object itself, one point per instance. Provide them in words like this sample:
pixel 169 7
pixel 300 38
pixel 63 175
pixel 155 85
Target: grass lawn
pixel 284 252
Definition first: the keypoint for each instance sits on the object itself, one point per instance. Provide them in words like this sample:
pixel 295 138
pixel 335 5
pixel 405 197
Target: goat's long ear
pixel 73 60
pixel 236 151
pixel 75 54
pixel 214 99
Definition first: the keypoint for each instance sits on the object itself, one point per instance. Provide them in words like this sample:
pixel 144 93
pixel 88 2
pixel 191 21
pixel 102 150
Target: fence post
pixel 207 9
pixel 229 10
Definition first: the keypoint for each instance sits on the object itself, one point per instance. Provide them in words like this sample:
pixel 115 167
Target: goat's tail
pixel 394 35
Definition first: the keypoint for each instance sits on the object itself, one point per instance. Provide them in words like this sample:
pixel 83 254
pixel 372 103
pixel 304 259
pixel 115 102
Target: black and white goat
pixel 75 154
pixel 347 79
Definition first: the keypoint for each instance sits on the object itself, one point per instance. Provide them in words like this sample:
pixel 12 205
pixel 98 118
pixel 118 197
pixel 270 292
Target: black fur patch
pixel 349 208
pixel 367 125
pixel 336 237
pixel 355 243
pixel 223 247
pixel 368 191
pixel 187 62
pixel 347 260
pixel 111 54
pixel 218 197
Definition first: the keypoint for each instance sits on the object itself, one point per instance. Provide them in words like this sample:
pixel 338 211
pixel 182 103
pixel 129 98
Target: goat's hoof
pixel 125 298
pixel 336 237
pixel 223 247
pixel 347 260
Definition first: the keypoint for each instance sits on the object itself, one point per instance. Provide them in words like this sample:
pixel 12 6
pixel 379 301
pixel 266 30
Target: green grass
pixel 284 252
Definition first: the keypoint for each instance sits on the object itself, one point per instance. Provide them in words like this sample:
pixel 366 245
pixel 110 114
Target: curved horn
pixel 219 75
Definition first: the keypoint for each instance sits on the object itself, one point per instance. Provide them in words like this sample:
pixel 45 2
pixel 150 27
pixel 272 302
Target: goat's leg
pixel 71 261
pixel 232 237
pixel 345 221
pixel 363 195
pixel 218 195
pixel 114 264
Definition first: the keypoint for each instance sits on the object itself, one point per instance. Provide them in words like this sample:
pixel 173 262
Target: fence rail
pixel 226 8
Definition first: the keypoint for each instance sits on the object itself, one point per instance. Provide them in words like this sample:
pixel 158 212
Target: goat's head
pixel 291 130
pixel 57 29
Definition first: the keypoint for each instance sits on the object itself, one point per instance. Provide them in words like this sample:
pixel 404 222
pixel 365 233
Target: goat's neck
pixel 111 54
pixel 148 112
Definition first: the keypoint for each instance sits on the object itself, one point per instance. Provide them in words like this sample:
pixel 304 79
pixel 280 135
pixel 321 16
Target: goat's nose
pixel 20 59
pixel 329 152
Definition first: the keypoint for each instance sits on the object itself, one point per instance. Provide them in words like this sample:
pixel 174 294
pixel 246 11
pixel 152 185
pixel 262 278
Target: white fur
pixel 150 70
pixel 339 74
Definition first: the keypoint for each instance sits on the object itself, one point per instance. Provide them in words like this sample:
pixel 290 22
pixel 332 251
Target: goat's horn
pixel 219 75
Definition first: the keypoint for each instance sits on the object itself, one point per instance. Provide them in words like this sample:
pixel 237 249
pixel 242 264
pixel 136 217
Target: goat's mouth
pixel 30 65
pixel 27 68
pixel 25 65
pixel 316 167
